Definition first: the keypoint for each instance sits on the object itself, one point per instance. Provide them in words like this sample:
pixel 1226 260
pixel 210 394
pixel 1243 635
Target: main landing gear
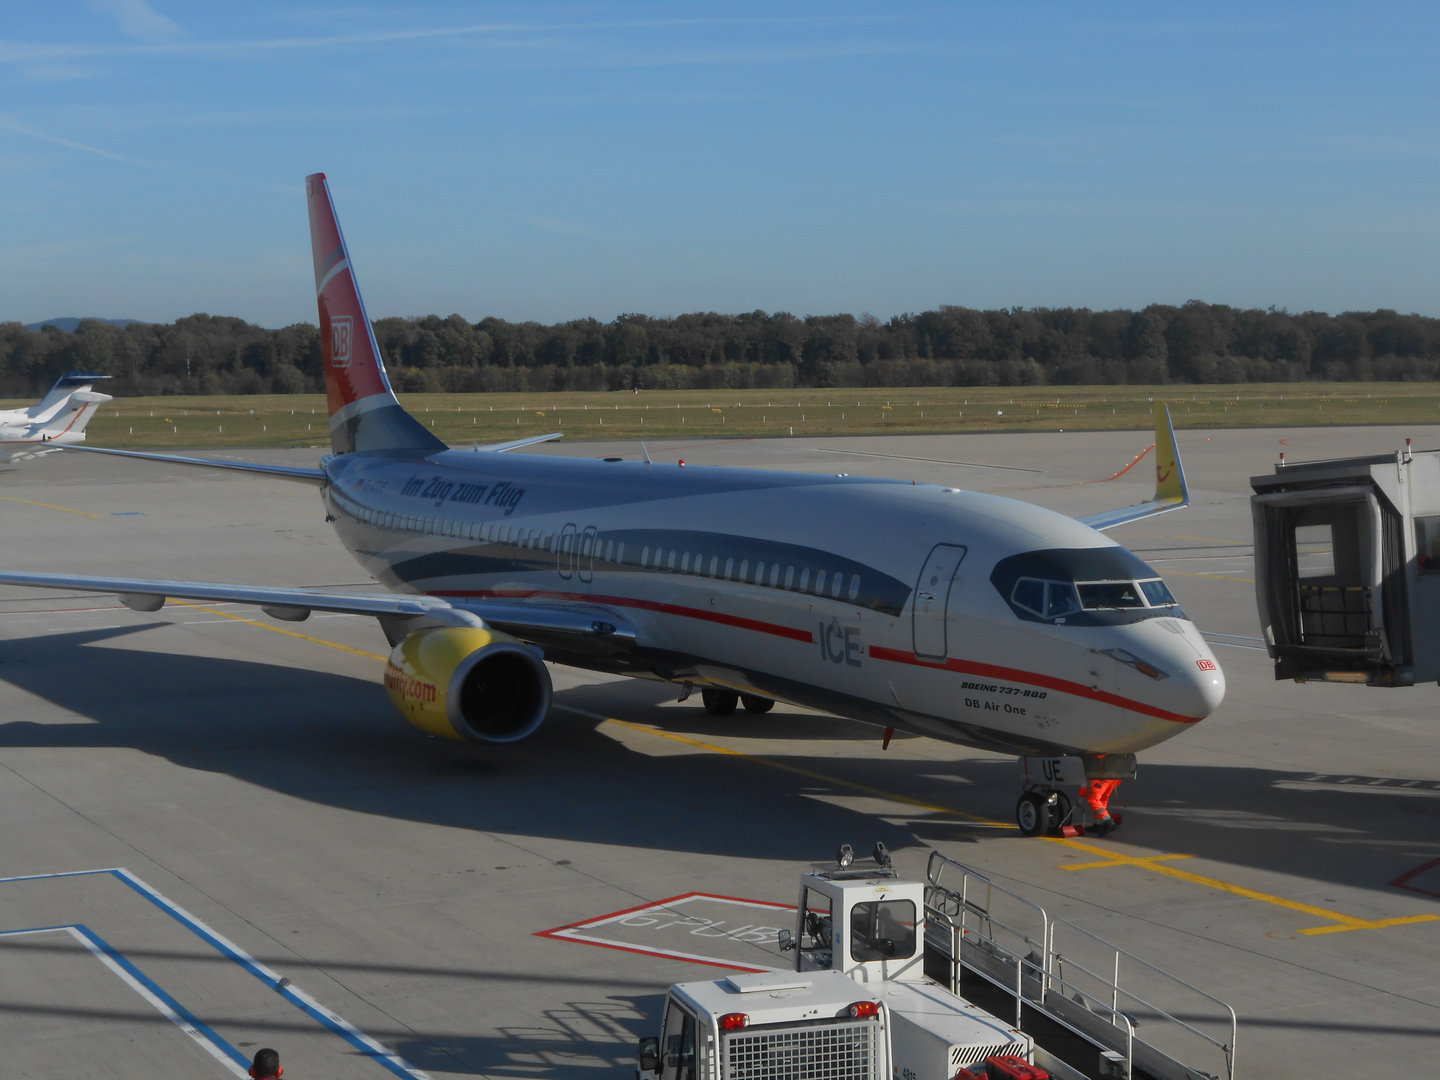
pixel 721 702
pixel 1048 808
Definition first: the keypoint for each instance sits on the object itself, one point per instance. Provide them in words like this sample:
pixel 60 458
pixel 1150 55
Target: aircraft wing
pixel 1171 491
pixel 571 621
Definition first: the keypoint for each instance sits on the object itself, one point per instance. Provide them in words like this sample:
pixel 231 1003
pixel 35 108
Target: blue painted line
pixel 392 1062
pixel 155 988
pixel 144 980
pixel 129 513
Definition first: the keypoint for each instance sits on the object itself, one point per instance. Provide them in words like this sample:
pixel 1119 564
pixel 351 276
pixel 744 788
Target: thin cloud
pixel 137 19
pixel 10 124
pixel 22 52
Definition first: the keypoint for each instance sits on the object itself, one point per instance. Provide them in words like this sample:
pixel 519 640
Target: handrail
pixel 1228 1049
pixel 940 897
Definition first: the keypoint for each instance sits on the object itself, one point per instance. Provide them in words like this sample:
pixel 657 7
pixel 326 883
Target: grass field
pixel 300 420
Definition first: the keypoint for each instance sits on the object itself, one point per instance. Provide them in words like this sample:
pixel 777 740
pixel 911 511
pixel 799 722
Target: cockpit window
pixel 1157 593
pixel 1082 587
pixel 1100 595
pixel 1029 594
pixel 1060 599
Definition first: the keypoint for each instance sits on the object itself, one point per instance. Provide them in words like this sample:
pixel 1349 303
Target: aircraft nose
pixel 1195 686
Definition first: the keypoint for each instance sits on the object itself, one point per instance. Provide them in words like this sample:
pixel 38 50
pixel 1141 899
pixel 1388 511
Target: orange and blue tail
pixel 364 414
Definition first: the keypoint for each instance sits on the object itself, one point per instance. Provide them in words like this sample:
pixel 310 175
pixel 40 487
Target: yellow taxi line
pixel 795 770
pixel 280 630
pixel 1152 863
pixel 49 506
pixel 1111 858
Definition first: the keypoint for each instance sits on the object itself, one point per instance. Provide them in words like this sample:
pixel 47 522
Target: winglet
pixel 1169 473
pixel 1171 491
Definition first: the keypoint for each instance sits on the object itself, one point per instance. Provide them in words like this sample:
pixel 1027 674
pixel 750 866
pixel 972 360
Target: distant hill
pixel 70 322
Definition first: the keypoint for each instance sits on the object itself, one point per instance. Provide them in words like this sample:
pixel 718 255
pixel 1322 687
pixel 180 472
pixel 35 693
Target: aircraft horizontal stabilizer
pixel 515 444
pixel 1171 491
pixel 284 472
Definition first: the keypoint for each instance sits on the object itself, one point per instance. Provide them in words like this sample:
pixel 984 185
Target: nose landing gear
pixel 1046 806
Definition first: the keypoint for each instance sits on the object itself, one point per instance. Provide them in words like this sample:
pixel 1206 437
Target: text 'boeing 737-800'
pixel 962 616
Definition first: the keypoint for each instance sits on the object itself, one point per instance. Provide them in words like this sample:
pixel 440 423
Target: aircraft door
pixel 585 555
pixel 932 600
pixel 565 551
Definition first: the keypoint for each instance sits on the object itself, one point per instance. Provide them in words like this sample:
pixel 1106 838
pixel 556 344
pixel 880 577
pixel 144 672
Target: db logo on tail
pixel 340 333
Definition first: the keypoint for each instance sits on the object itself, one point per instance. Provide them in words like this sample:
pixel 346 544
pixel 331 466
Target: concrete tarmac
pixel 275 819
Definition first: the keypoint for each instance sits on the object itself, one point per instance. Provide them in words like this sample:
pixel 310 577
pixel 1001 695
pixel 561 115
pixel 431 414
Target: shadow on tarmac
pixel 335 740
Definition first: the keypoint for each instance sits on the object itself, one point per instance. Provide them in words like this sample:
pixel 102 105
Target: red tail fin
pixel 364 414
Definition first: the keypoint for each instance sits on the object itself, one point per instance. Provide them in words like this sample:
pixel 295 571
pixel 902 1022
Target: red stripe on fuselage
pixel 1030 678
pixel 878 652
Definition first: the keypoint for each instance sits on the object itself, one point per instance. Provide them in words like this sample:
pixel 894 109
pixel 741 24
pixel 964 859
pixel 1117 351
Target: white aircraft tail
pixel 67 388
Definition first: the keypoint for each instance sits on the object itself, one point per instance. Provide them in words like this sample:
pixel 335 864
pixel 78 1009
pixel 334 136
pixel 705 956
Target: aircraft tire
pixel 719 702
pixel 1060 813
pixel 1032 814
pixel 755 704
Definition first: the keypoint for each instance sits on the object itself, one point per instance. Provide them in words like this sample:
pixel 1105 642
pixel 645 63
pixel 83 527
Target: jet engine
pixel 468 684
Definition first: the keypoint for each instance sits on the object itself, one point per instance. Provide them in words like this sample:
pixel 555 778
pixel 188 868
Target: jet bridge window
pixel 882 930
pixel 1427 544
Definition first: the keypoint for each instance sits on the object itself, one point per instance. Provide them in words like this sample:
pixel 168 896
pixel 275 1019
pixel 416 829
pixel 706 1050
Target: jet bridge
pixel 1347 568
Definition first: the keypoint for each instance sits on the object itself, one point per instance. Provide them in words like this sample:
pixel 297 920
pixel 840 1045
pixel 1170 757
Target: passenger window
pixel 671 564
pixel 609 550
pixel 1029 593
pixel 775 574
pixel 820 583
pixel 620 554
pixel 714 564
pixel 835 588
pixel 729 565
pixel 1060 599
pixel 759 573
pixel 882 930
pixel 854 586
pixel 789 576
pixel 685 563
pixel 1157 593
pixel 805 580
pixel 644 556
pixel 744 570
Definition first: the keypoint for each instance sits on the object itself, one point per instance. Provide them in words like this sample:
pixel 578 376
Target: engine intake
pixel 467 684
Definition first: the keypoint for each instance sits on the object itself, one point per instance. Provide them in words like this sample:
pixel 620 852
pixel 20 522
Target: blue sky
pixel 560 161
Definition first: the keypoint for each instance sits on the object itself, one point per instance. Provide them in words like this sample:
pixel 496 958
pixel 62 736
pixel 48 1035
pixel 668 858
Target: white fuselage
pixel 839 593
pixel 58 420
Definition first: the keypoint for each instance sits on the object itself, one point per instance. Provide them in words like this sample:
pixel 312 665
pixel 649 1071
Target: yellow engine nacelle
pixel 467 684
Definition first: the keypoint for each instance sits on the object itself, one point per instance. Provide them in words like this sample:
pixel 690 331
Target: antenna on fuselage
pixel 645 454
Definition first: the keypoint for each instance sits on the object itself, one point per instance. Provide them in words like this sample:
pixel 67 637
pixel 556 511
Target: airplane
pixel 962 616
pixel 58 419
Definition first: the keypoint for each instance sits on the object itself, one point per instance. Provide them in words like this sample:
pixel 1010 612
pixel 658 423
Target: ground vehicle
pixel 919 980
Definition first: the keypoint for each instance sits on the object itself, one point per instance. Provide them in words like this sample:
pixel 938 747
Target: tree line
pixel 951 346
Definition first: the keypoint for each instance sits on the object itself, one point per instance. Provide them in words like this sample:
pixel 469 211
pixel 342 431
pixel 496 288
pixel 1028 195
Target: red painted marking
pixel 1031 678
pixel 583 924
pixel 1205 665
pixel 645 605
pixel 1403 881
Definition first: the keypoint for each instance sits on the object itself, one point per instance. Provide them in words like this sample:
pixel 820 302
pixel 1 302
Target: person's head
pixel 266 1065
